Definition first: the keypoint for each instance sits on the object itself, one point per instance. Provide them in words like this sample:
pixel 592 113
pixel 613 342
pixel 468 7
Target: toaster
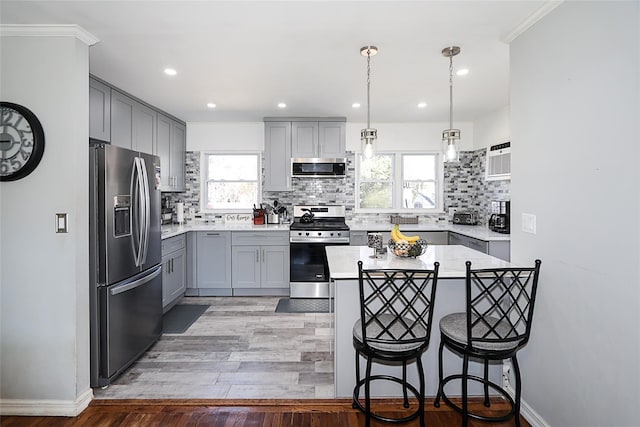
pixel 465 217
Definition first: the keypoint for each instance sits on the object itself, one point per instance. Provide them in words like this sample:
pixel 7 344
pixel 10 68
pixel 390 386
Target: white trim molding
pixel 525 410
pixel 28 30
pixel 543 11
pixel 54 408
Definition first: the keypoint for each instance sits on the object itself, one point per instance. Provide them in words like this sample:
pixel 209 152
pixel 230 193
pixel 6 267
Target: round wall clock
pixel 21 141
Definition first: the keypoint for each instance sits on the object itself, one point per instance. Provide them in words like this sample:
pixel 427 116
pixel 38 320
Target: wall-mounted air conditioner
pixel 498 162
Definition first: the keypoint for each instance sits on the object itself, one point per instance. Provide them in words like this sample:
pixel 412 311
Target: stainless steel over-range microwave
pixel 315 167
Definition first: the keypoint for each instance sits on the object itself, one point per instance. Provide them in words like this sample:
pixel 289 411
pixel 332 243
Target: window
pixel 399 182
pixel 230 182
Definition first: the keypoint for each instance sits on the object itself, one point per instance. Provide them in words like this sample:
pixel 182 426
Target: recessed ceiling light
pixel 356 105
pixel 422 105
pixel 211 105
pixel 170 72
pixel 282 105
pixel 462 72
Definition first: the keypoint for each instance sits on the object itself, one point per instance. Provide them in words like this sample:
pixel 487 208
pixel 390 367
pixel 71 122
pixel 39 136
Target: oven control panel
pixel 316 236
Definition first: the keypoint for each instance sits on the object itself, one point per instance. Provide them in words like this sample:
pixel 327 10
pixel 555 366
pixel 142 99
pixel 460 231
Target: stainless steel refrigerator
pixel 125 258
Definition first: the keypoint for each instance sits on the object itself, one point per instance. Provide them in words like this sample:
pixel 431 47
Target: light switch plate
pixel 529 223
pixel 61 223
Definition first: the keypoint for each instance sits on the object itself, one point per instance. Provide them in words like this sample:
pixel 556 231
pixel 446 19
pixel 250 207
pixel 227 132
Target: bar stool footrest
pixel 411 388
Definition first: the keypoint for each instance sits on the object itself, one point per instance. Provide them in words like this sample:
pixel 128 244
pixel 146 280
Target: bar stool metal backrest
pixel 396 311
pixel 500 306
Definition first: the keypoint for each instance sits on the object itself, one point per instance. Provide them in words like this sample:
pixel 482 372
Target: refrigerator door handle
pixel 135 218
pixel 138 192
pixel 132 285
pixel 146 210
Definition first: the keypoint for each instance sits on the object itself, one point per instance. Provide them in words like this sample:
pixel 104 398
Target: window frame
pixel 204 156
pixel 397 182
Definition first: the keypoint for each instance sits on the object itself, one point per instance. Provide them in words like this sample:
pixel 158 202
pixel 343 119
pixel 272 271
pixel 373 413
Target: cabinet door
pixel 163 150
pixel 177 157
pixel 304 139
pixel 358 238
pixel 122 108
pixel 213 259
pixel 99 111
pixel 277 156
pixel 274 266
pixel 245 261
pixel 144 128
pixel 332 139
pixel 174 281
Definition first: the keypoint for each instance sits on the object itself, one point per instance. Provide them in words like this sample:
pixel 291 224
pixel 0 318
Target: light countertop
pixel 476 231
pixel 481 232
pixel 343 260
pixel 177 229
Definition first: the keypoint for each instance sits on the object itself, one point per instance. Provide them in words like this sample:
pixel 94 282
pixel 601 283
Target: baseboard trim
pixel 53 408
pixel 532 416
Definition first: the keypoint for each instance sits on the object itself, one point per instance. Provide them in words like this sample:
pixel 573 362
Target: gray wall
pixel 574 123
pixel 44 317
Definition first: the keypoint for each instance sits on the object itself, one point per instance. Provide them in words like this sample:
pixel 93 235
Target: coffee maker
pixel 499 221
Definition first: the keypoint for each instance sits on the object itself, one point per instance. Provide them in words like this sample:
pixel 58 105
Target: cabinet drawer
pixel 470 242
pixel 260 238
pixel 173 244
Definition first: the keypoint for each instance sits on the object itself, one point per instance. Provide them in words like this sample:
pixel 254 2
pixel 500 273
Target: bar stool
pixel 496 324
pixel 396 309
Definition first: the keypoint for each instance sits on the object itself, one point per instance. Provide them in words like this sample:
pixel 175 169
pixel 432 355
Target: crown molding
pixel 24 30
pixel 543 11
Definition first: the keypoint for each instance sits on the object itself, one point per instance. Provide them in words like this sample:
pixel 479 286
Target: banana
pixel 399 235
pixel 394 233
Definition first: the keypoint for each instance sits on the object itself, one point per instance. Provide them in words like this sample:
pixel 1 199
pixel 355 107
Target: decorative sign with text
pixel 238 218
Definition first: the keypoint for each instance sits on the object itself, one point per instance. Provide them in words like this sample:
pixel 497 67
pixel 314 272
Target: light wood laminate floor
pixel 239 348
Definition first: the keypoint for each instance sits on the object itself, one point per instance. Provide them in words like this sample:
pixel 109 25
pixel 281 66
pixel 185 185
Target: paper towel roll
pixel 180 212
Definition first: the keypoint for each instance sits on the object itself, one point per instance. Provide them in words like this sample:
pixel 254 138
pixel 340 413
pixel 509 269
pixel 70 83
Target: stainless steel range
pixel 314 228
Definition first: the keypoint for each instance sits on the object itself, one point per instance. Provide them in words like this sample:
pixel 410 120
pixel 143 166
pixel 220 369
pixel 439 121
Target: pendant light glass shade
pixel 368 135
pixel 450 150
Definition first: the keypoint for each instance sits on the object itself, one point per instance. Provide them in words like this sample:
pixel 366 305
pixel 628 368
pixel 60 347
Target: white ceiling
pixel 246 56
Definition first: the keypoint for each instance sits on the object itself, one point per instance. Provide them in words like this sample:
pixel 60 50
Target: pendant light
pixel 450 150
pixel 368 136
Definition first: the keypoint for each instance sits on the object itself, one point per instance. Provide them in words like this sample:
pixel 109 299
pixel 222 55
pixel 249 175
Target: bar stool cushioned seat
pixel 396 310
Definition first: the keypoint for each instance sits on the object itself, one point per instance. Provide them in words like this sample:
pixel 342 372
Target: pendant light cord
pixel 368 88
pixel 451 92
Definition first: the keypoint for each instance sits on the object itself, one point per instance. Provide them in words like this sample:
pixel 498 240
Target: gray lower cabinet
pixel 358 238
pixel 174 269
pixel 260 263
pixel 99 110
pixel 277 156
pixel 170 147
pixel 499 249
pixel 211 263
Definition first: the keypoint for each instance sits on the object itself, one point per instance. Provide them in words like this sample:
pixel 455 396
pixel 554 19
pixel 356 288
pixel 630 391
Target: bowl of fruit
pixel 406 246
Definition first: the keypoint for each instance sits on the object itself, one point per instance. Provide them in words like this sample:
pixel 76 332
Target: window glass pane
pixel 376 195
pixel 232 167
pixel 376 168
pixel 419 167
pixel 419 195
pixel 231 195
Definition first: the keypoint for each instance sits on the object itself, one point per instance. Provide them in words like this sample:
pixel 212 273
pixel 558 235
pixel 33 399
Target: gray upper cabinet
pixel 304 139
pixel 170 147
pixel 331 139
pixel 177 159
pixel 99 111
pixel 122 108
pixel 124 121
pixel 133 125
pixel 277 156
pixel 318 139
pixel 144 128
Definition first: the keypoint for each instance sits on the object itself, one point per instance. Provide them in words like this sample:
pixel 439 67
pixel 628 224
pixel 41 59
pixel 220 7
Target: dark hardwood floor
pixel 245 413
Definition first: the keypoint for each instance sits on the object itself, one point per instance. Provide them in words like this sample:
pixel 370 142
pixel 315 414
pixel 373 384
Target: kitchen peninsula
pixel 450 297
